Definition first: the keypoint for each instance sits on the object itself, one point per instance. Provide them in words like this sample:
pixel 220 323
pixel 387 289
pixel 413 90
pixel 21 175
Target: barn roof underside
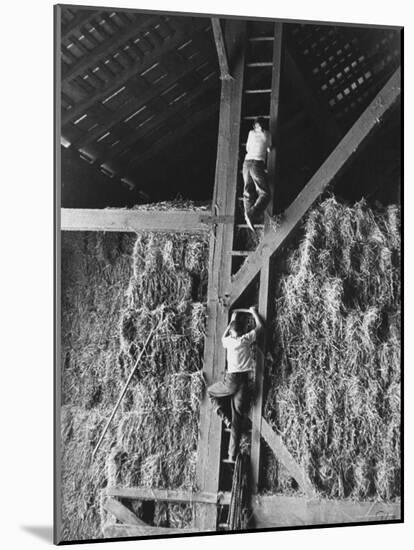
pixel 140 96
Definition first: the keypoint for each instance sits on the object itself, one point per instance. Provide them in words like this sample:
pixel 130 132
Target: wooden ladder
pixel 256 86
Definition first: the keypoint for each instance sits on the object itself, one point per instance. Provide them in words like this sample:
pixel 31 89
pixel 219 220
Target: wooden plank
pixel 155 132
pixel 343 154
pixel 119 531
pixel 224 199
pixel 163 142
pixel 283 511
pixel 175 67
pixel 121 512
pixel 281 452
pixel 188 30
pixel 263 303
pixel 81 17
pixel 168 495
pixel 114 219
pixel 221 49
pixel 109 46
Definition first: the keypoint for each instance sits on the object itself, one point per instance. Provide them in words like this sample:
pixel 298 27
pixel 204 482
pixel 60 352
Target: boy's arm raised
pixel 232 318
pixel 257 319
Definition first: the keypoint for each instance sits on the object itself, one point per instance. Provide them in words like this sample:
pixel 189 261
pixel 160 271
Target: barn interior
pixel 141 99
pixel 154 112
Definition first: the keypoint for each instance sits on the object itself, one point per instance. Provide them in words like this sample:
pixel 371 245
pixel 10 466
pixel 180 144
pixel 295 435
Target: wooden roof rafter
pixel 221 49
pixel 339 66
pixel 174 67
pixel 188 28
pixel 81 17
pixel 108 46
pixel 106 177
pixel 197 118
pixel 163 116
pixel 164 122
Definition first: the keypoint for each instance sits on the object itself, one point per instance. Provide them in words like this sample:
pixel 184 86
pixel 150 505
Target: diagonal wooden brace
pixel 283 455
pixel 333 166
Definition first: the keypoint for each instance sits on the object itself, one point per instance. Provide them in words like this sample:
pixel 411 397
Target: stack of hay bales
pixel 334 372
pixel 95 271
pixel 114 290
pixel 157 435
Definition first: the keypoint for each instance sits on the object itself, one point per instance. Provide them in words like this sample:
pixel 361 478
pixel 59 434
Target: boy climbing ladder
pixel 240 363
pixel 256 193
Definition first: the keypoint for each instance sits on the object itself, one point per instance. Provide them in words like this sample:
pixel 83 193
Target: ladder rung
pixel 260 64
pixel 259 91
pixel 245 226
pixel 240 252
pixel 252 117
pixel 260 38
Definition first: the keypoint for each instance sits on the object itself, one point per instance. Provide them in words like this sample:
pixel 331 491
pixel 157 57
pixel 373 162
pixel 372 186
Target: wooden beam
pixel 87 185
pixel 221 240
pixel 221 49
pixel 113 531
pixel 168 495
pixel 283 511
pixel 188 29
pixel 175 66
pixel 269 511
pixel 108 47
pixel 343 154
pixel 263 302
pixel 281 452
pixel 121 512
pixel 81 17
pixel 196 118
pixel 155 134
pixel 123 220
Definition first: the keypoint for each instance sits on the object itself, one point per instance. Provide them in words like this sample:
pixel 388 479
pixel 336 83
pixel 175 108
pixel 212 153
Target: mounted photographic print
pixel 228 274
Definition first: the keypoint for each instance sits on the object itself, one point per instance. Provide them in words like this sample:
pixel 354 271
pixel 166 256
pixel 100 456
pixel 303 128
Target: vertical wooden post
pixel 221 240
pixel 221 48
pixel 265 270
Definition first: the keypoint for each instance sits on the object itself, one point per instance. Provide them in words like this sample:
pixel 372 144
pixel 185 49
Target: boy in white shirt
pixel 256 194
pixel 240 362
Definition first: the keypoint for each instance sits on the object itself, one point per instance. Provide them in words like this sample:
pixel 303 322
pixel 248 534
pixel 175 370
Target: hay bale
pixel 168 271
pixel 334 383
pixel 82 479
pixel 114 290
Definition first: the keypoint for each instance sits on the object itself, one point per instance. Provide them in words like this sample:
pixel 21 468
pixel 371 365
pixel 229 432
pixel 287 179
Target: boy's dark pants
pixel 235 386
pixel 256 194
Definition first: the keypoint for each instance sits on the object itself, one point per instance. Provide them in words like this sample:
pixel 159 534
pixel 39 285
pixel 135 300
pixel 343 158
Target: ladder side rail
pixel 208 462
pixel 264 288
